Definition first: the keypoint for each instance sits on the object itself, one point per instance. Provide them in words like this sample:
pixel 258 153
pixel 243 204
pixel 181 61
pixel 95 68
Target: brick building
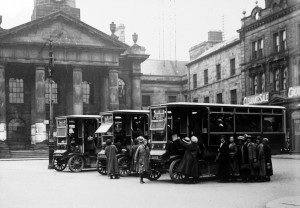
pixel 216 67
pixel 270 39
pixel 93 72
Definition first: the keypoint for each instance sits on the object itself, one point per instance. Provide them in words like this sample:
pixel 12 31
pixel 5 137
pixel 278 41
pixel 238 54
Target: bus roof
pixel 190 104
pixel 79 116
pixel 125 112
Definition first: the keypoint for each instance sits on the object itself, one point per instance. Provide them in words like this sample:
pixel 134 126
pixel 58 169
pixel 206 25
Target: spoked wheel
pixel 59 164
pixel 101 168
pixel 176 176
pixel 76 163
pixel 124 166
pixel 154 175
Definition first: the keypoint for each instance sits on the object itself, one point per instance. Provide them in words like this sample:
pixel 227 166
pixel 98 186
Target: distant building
pixel 270 39
pixel 215 75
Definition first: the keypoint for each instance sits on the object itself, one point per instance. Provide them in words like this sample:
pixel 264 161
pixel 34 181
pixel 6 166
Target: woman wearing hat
pixel 243 159
pixel 142 158
pixel 189 165
pixel 112 161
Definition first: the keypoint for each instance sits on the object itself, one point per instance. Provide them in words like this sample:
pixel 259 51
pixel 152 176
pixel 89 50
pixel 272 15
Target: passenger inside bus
pixel 174 147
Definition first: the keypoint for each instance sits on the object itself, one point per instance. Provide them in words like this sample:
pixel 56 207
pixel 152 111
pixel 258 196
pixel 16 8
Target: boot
pixel 111 177
pixel 141 179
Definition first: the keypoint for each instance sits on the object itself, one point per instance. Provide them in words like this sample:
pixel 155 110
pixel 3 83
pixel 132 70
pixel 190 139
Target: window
pixel 260 46
pixel 195 100
pixel 284 79
pixel 276 42
pixel 122 91
pixel 254 50
pixel 232 67
pixel 146 100
pixel 171 99
pixel 16 90
pixel 195 81
pixel 219 98
pixel 233 97
pixel 255 85
pixel 53 92
pixel 279 40
pixel 218 71
pixel 86 92
pixel 263 82
pixel 206 99
pixel 206 76
pixel 277 80
pixel 17 129
pixel 185 98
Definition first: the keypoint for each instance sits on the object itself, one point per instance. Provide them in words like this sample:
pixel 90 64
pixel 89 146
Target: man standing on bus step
pixel 223 160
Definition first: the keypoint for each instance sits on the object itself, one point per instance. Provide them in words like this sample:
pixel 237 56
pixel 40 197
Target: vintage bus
pixel 76 142
pixel 121 127
pixel 208 122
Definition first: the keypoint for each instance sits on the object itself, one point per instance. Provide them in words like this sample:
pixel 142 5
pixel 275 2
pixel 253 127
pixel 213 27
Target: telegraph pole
pixel 51 71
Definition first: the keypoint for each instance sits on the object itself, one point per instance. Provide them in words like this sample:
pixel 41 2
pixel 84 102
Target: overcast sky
pixel 157 22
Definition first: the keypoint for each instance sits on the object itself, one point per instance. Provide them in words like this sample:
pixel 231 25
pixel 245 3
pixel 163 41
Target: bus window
pixel 221 122
pixel 247 123
pixel 272 123
pixel 159 136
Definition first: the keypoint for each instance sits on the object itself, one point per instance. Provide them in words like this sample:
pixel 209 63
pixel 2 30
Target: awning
pixel 103 128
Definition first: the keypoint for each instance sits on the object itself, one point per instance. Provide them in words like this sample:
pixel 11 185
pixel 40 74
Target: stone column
pixel 136 91
pixel 113 89
pixel 3 132
pixel 40 109
pixel 77 91
pixel 104 93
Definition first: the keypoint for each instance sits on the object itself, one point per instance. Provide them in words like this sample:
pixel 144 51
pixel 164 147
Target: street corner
pixel 285 202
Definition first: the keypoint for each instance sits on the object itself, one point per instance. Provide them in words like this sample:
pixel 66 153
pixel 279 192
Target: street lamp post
pixel 51 141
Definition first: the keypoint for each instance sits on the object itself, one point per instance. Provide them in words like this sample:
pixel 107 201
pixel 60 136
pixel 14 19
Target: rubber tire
pixel 59 165
pixel 101 169
pixel 124 166
pixel 154 175
pixel 79 163
pixel 175 176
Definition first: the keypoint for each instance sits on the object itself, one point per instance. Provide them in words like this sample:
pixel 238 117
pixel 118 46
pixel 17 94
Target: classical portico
pixel 88 66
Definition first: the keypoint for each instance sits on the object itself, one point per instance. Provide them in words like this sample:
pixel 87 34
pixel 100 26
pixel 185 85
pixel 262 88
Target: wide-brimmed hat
pixel 194 139
pixel 241 138
pixel 186 140
pixel 140 139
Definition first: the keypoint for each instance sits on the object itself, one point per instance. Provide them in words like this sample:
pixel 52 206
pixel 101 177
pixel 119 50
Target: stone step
pixel 29 154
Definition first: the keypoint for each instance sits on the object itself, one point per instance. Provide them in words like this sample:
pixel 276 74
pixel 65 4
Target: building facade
pixel 93 72
pixel 270 39
pixel 215 75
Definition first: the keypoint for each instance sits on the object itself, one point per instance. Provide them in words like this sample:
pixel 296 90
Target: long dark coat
pixel 112 161
pixel 189 165
pixel 134 166
pixel 223 161
pixel 261 171
pixel 233 160
pixel 269 168
pixel 142 157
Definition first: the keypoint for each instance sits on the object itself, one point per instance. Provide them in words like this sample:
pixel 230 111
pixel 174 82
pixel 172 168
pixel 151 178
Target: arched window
pixel 263 82
pixel 122 91
pixel 54 91
pixel 16 90
pixel 255 85
pixel 16 129
pixel 284 80
pixel 87 92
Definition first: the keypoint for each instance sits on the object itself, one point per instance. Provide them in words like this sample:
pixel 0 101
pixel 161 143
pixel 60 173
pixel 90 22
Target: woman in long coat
pixel 189 165
pixel 223 161
pixel 260 154
pixel 268 160
pixel 251 156
pixel 112 161
pixel 142 159
pixel 233 160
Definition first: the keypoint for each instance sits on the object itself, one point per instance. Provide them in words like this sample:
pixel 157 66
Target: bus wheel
pixel 59 164
pixel 76 163
pixel 101 168
pixel 154 175
pixel 124 166
pixel 175 176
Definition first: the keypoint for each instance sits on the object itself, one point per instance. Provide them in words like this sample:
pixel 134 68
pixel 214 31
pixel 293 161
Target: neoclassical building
pixel 270 39
pixel 93 72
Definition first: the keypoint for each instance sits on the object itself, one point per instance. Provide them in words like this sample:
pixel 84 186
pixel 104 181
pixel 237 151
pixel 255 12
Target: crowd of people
pixel 248 160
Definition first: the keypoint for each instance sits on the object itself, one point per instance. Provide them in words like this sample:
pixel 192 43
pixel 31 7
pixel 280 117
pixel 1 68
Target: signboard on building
pixel 294 92
pixel 256 99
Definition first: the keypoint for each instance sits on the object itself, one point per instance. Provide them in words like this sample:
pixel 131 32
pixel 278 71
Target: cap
pixel 241 138
pixel 140 139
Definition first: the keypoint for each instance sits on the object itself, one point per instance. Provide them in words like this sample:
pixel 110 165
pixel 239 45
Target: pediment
pixel 64 30
pixel 277 99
